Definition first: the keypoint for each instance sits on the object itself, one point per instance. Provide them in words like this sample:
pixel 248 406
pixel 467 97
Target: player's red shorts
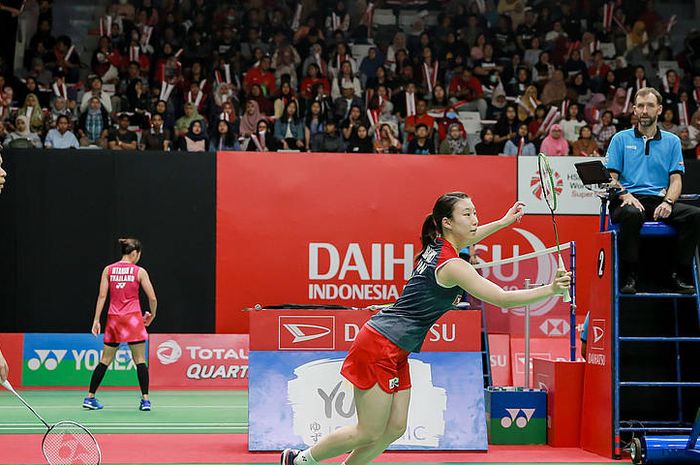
pixel 374 359
pixel 125 328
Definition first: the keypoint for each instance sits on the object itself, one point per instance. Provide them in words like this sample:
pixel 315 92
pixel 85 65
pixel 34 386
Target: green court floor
pixel 173 412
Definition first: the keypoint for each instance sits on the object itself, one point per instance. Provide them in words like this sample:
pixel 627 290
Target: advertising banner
pixel 199 360
pixel 544 348
pixel 572 197
pixel 11 344
pixel 69 359
pixel 296 398
pixel 499 352
pixel 334 229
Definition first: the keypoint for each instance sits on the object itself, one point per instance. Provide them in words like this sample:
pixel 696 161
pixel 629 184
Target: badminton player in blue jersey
pixel 377 363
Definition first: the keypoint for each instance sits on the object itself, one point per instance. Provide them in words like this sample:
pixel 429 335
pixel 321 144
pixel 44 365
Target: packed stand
pixel 511 77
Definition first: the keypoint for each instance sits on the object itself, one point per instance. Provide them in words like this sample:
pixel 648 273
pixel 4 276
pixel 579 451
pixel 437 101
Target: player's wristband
pixel 669 201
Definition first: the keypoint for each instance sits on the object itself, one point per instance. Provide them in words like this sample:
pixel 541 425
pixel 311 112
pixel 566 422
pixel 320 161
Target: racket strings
pixel 69 443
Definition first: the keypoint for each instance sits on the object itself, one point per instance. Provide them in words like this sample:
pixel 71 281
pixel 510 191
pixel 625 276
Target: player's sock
pixel 142 372
pixel 305 458
pixel 97 377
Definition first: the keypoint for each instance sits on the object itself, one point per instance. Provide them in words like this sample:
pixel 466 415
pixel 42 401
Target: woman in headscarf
pixel 250 118
pixel 264 104
pixel 360 141
pixel 22 137
pixel 195 140
pixel 528 103
pixel 555 90
pixel 617 106
pixel 32 110
pixel 184 123
pixel 262 139
pixel 555 144
pixel 638 37
pixel 456 142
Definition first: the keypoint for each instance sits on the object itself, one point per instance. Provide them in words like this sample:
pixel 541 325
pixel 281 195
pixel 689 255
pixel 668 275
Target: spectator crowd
pixel 487 77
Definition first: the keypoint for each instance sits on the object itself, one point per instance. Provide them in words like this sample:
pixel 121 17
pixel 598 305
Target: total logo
pixel 169 352
pixel 306 332
pixel 515 417
pixel 48 358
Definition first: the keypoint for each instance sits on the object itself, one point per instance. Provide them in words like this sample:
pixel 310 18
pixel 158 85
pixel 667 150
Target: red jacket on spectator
pixel 266 79
pixel 307 86
pixel 458 85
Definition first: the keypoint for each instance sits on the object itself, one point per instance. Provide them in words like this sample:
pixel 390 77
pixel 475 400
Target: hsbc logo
pixel 536 185
pixel 555 327
pixel 306 333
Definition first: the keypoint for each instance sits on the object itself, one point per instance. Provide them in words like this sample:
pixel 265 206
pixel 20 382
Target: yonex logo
pixel 169 352
pixel 393 383
pixel 514 416
pixel 45 359
pixel 300 335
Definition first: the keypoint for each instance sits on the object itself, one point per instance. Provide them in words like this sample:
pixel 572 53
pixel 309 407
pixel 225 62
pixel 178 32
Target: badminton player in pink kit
pixel 377 363
pixel 125 323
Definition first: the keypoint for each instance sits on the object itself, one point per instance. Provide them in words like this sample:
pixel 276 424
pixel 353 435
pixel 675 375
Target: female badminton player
pixel 124 320
pixel 377 363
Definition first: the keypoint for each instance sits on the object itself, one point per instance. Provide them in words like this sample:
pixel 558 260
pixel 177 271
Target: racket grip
pixel 6 384
pixel 566 297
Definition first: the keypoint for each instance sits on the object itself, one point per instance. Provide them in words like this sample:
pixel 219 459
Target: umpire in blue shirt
pixel 647 164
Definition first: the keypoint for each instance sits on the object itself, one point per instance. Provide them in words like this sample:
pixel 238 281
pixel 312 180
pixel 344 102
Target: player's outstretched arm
pixel 513 214
pixel 101 299
pixel 462 274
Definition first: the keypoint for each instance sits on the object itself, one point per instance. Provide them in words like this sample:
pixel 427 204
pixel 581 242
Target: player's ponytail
pixel 432 225
pixel 129 244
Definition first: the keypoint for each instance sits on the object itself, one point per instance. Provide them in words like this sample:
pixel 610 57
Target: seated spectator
pixel 32 110
pixel 555 144
pixel 96 91
pixel 455 142
pixel 421 144
pixel 534 128
pixel 617 106
pixel 668 121
pixel 225 138
pixel 184 123
pixel 137 103
pixel 120 138
pixel 262 140
pixel 694 128
pixel 22 137
pixel 250 119
pixel 61 137
pixel 572 124
pixel 528 103
pixel 506 126
pixel 585 146
pixel 387 116
pixel 262 76
pixel 554 92
pixel 467 88
pixel 93 125
pixel 352 122
pixel 520 145
pixel 345 76
pixel 421 117
pixel 439 99
pixel 487 146
pixel 289 129
pixel 60 106
pixel 579 90
pixel 313 123
pixel 604 130
pixel 370 64
pixel 360 142
pixel 388 140
pixel 264 104
pixel 687 145
pixel 161 107
pixel 286 60
pixel 329 140
pixel 285 96
pixel 313 78
pixel 195 140
pixel 158 136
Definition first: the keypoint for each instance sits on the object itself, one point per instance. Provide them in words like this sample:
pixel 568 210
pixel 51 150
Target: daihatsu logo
pixel 310 332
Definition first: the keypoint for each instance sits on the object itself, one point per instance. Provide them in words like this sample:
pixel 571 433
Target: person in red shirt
pixel 599 69
pixel 313 77
pixel 261 75
pixel 466 87
pixel 421 117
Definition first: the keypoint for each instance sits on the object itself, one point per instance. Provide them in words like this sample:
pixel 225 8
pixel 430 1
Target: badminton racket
pixel 549 194
pixel 66 442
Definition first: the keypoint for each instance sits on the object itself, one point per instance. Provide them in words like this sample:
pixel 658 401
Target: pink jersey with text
pixel 123 288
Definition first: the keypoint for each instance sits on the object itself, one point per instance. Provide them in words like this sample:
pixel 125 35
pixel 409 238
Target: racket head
pixel 70 443
pixel 547 181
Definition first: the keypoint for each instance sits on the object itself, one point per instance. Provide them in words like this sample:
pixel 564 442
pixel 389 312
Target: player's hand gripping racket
pixel 550 197
pixel 66 442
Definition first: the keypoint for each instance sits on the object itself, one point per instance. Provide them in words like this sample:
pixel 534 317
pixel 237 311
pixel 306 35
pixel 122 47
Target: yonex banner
pixel 296 398
pixel 572 197
pixel 199 360
pixel 516 416
pixel 68 360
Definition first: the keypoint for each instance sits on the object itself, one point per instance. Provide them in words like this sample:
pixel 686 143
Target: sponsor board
pixel 297 398
pixel 12 345
pixel 199 360
pixel 69 359
pixel 572 197
pixel 540 347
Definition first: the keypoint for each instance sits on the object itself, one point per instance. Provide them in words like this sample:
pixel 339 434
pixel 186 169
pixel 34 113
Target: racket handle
pixel 6 384
pixel 566 297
